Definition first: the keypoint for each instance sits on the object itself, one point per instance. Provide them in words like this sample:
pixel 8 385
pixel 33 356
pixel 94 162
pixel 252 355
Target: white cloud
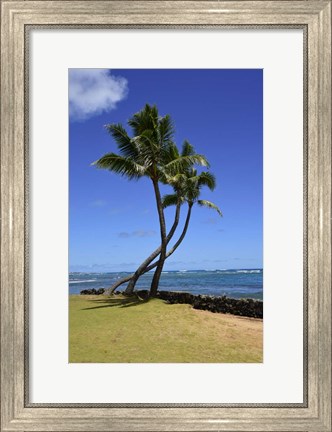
pixel 93 91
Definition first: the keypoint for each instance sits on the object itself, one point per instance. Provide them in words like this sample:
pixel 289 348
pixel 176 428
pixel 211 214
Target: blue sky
pixel 113 222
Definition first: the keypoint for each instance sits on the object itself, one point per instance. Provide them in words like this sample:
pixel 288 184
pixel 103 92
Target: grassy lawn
pixel 118 330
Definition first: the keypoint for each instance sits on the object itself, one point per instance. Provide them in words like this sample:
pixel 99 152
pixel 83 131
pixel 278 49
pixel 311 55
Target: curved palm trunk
pixel 154 254
pixel 169 253
pixel 182 236
pixel 141 269
pixel 160 264
pixel 120 282
pixel 177 244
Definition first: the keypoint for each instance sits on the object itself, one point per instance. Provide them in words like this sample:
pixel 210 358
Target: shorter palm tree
pixel 191 184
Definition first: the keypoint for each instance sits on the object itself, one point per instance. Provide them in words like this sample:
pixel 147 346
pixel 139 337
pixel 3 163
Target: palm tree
pixel 166 177
pixel 191 185
pixel 150 152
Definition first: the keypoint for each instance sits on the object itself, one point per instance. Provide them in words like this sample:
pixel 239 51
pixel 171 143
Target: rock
pixel 92 291
pixel 243 307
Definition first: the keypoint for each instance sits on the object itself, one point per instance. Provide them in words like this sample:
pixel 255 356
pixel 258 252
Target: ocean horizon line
pixel 171 271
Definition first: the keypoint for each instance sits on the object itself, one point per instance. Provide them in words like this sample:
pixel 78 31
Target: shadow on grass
pixel 117 302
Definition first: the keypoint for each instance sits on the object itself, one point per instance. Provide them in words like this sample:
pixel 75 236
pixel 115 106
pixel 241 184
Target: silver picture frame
pixel 17 20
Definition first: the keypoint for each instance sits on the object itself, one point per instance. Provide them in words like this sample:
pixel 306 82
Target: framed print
pixel 127 130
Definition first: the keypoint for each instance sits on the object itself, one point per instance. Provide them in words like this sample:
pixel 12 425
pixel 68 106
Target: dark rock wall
pixel 93 291
pixel 223 304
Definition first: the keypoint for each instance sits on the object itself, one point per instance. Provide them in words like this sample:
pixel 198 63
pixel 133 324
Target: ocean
pixel 238 283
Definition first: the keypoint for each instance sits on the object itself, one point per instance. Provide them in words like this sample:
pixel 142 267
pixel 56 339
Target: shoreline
pixel 217 304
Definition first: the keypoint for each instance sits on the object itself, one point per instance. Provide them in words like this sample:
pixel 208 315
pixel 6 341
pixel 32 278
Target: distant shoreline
pixel 236 283
pixel 253 269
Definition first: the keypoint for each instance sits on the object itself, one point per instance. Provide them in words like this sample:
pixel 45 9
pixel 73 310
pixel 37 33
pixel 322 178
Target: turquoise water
pixel 238 283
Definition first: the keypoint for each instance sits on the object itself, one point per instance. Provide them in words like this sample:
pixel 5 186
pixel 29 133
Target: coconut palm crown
pixel 189 184
pixel 151 150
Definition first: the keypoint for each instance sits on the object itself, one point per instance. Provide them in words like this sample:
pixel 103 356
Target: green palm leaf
pixel 147 118
pixel 169 153
pixel 127 147
pixel 209 204
pixel 182 163
pixel 170 199
pixel 121 165
pixel 166 130
pixel 187 149
pixel 191 191
pixel 147 138
pixel 207 179
pixel 178 181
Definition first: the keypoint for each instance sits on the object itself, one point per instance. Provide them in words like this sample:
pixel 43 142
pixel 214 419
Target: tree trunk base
pixel 153 292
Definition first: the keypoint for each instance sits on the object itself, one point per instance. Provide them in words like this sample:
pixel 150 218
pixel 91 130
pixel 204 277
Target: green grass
pixel 120 330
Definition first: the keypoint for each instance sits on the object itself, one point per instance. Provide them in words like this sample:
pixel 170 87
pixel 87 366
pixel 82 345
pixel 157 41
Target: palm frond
pixel 182 163
pixel 187 149
pixel 191 173
pixel 147 141
pixel 177 181
pixel 209 204
pixel 170 199
pixel 200 160
pixel 121 165
pixel 169 153
pixel 193 178
pixel 147 118
pixel 166 130
pixel 191 191
pixel 148 149
pixel 206 178
pixel 127 147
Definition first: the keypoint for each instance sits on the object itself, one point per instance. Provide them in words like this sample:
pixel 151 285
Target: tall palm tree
pixel 150 152
pixel 191 188
pixel 167 177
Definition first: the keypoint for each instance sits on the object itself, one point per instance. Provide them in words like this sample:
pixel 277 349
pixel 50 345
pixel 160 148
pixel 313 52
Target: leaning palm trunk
pixel 160 265
pixel 141 269
pixel 120 282
pixel 177 244
pixel 169 253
